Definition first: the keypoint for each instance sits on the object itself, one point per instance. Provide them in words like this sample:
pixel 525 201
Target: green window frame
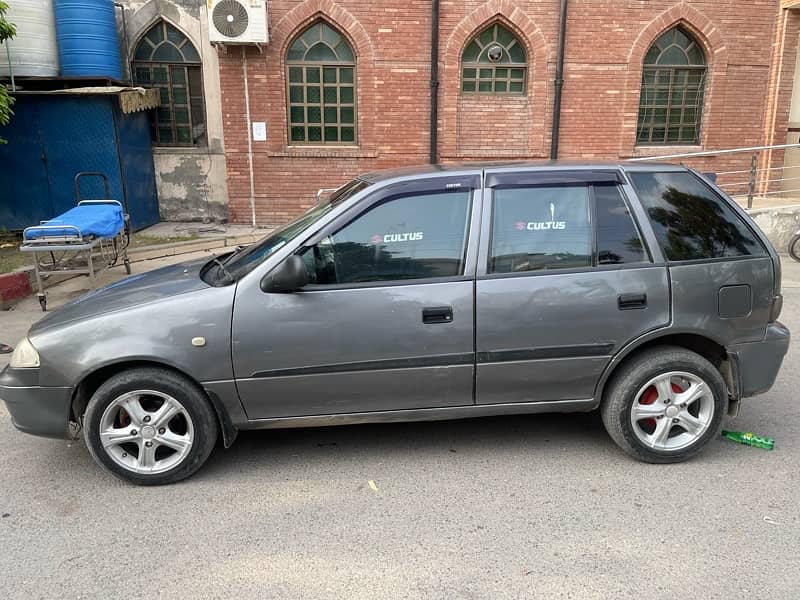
pixel 321 88
pixel 165 59
pixel 673 91
pixel 494 62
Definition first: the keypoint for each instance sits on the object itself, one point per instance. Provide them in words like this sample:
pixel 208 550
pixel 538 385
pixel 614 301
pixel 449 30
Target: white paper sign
pixel 259 131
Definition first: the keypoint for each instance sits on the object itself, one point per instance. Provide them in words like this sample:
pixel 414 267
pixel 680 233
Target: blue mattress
pixel 99 220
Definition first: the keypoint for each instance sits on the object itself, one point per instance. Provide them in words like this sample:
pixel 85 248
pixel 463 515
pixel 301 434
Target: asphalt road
pixel 519 507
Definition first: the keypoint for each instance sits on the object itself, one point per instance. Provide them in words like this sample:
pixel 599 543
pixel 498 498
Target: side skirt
pixel 424 414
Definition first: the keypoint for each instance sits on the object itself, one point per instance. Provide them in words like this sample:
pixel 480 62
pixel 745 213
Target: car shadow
pixel 329 446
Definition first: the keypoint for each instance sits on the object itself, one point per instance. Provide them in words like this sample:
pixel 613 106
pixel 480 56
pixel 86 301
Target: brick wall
pixel 749 46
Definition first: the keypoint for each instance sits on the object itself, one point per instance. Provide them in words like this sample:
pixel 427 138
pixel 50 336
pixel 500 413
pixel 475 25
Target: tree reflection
pixel 696 227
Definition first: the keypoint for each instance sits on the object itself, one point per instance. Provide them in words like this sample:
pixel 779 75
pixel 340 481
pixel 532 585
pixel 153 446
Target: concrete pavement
pixel 518 507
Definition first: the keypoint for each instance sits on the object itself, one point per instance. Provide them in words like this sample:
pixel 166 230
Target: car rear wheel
pixel 664 405
pixel 150 426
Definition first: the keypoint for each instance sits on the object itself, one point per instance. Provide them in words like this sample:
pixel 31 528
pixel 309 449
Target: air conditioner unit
pixel 237 22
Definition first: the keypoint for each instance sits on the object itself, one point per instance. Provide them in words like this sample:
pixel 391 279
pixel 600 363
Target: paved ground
pixel 522 507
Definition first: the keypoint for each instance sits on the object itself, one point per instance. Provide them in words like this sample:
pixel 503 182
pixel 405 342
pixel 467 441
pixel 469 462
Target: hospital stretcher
pixel 85 240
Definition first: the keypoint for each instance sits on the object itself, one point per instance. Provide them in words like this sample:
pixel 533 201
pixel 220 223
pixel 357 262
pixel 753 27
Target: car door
pixel 387 320
pixel 564 281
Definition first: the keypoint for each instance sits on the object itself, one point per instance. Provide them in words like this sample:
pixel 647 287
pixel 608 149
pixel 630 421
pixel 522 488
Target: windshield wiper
pixel 222 268
pixel 235 252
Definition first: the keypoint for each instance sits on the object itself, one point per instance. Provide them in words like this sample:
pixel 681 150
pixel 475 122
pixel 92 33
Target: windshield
pixel 241 263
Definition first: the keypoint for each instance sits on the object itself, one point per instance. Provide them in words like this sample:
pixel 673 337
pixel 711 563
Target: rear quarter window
pixel 690 220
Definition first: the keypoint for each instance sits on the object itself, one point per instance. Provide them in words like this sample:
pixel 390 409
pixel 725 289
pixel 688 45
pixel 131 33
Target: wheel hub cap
pixel 671 412
pixel 148 432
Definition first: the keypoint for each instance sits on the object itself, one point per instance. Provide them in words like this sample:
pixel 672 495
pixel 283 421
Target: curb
pixel 13 286
pixel 177 248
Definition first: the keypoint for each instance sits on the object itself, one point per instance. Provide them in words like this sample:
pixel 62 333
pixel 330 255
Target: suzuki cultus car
pixel 640 290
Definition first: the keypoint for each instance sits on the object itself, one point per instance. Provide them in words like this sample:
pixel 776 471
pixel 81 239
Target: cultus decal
pixel 391 238
pixel 540 225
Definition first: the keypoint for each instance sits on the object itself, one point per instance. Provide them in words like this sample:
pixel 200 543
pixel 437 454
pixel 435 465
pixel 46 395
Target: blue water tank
pixel 86 31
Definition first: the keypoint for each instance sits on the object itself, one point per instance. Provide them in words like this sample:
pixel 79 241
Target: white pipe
pixel 249 138
pixel 715 152
pixel 10 66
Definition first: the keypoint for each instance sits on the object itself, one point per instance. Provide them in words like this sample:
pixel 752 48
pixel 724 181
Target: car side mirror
pixel 289 276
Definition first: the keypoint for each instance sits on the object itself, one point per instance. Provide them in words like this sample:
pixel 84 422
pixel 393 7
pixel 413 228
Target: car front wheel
pixel 150 426
pixel 664 405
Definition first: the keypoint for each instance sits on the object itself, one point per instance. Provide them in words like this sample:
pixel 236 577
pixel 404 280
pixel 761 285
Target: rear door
pixel 564 281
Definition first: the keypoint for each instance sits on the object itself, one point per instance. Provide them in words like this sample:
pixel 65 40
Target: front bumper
pixel 34 409
pixel 757 363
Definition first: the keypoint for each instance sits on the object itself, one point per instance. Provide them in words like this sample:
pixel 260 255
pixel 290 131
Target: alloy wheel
pixel 146 431
pixel 672 411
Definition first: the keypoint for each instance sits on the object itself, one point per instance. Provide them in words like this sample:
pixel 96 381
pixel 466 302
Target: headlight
pixel 25 355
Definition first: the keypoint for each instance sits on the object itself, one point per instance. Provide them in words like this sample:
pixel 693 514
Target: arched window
pixel 321 79
pixel 673 84
pixel 167 60
pixel 494 62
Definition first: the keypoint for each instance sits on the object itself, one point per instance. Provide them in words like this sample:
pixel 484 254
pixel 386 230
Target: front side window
pixel 321 87
pixel 241 263
pixel 409 237
pixel 494 62
pixel 540 228
pixel 690 221
pixel 165 59
pixel 673 86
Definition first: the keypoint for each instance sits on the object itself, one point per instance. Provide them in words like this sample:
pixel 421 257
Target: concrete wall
pixel 779 224
pixel 191 182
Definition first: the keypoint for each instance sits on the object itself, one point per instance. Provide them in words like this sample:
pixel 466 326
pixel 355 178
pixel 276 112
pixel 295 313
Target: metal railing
pixel 751 172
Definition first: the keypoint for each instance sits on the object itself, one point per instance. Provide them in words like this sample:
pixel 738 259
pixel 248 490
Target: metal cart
pixel 61 248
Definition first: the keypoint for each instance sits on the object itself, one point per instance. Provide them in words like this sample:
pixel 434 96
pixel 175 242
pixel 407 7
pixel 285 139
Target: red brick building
pixel 344 87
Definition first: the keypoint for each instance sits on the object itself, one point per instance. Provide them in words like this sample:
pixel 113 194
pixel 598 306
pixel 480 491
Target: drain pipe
pixel 10 66
pixel 121 8
pixel 249 138
pixel 559 82
pixel 434 82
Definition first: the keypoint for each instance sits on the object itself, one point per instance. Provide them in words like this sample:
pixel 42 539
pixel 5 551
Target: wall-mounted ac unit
pixel 237 21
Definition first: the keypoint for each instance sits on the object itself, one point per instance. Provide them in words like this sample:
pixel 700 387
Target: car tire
pixel 664 405
pixel 150 426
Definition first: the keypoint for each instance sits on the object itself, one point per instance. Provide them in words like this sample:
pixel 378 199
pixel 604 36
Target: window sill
pixel 323 152
pixel 655 151
pixel 184 150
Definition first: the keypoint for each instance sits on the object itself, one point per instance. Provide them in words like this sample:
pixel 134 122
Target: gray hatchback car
pixel 422 294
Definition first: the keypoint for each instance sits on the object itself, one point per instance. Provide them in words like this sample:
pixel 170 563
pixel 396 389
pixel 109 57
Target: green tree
pixel 7 31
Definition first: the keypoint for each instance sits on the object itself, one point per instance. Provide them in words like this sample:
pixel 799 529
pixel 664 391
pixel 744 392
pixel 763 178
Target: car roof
pixel 521 165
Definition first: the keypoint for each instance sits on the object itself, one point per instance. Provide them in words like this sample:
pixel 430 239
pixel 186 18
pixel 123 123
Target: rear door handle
pixel 437 314
pixel 631 301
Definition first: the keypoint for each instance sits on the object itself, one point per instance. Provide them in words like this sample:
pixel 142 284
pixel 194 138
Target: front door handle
pixel 631 301
pixel 437 314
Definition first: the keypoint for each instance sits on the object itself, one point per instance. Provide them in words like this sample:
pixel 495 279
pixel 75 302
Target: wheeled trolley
pixel 85 240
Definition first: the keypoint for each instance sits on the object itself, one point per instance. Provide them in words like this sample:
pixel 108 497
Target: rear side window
pixel 618 240
pixel 409 237
pixel 537 228
pixel 691 221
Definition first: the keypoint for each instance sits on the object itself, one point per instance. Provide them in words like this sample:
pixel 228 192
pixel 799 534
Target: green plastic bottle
pixel 749 439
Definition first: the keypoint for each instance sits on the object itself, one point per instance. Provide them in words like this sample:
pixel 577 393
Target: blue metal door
pixel 78 135
pixel 24 185
pixel 53 137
